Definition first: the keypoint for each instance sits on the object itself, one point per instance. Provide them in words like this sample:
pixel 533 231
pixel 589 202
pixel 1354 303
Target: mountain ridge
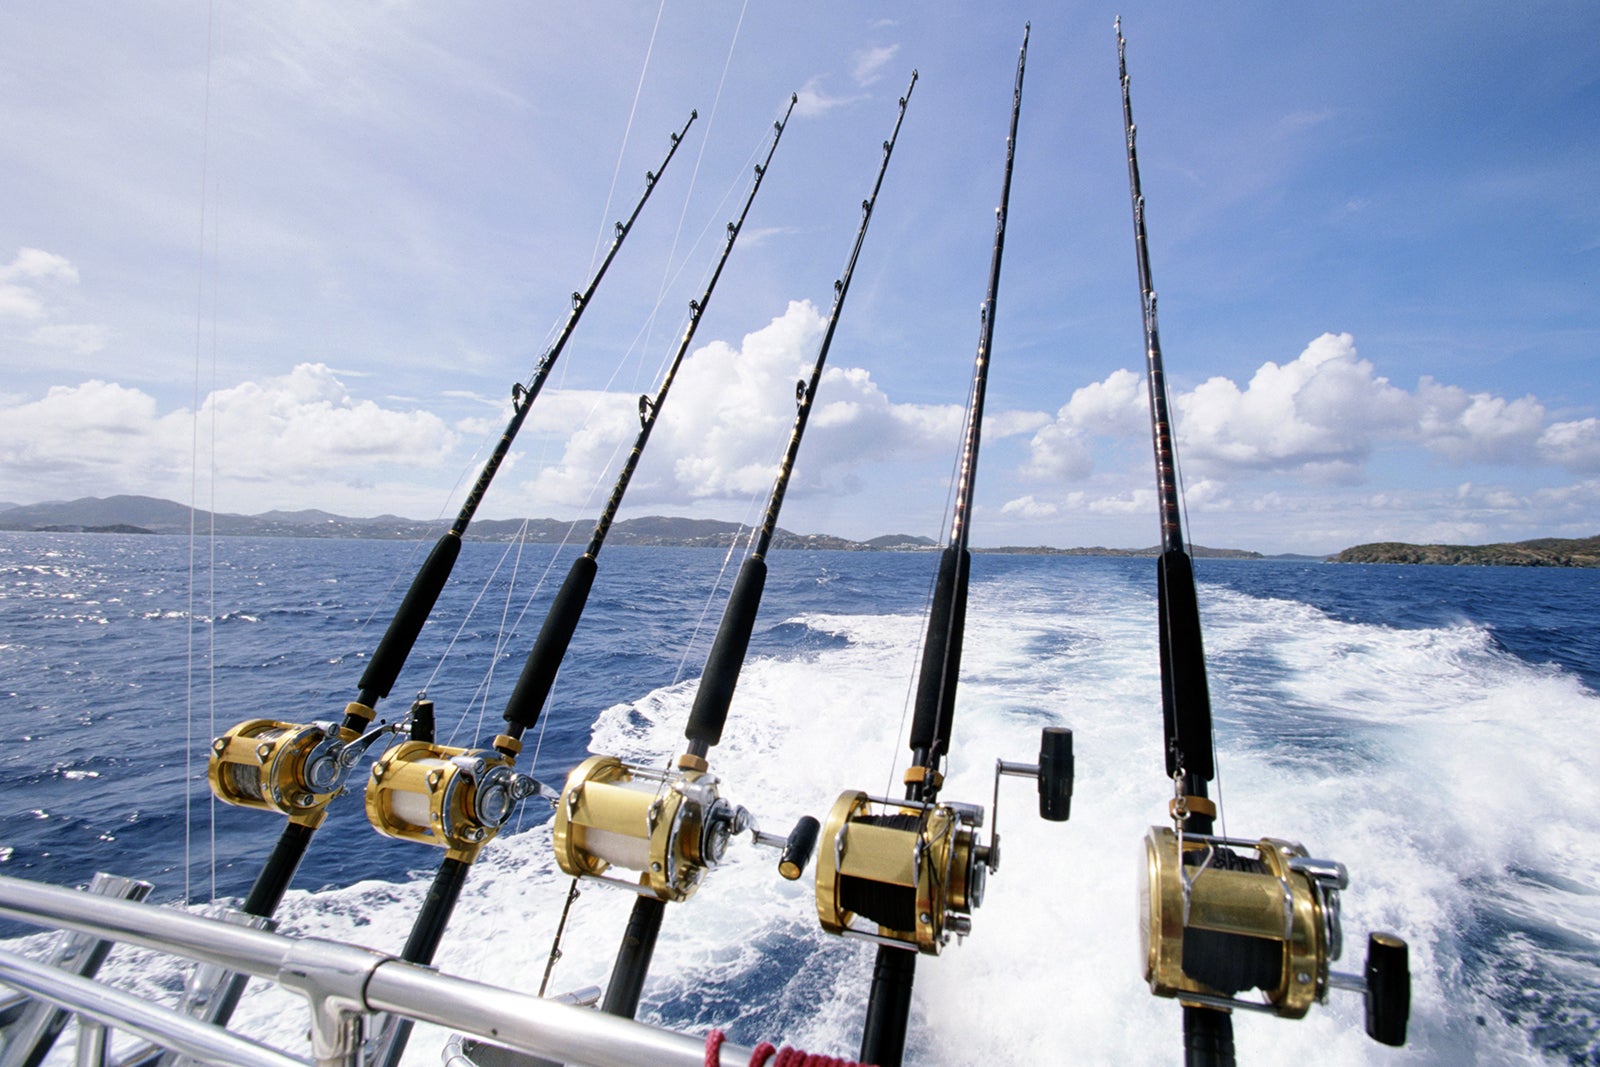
pixel 144 514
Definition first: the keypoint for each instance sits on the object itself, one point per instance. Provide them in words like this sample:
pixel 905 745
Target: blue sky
pixel 294 255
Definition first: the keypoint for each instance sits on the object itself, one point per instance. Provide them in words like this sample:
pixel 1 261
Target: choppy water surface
pixel 1433 728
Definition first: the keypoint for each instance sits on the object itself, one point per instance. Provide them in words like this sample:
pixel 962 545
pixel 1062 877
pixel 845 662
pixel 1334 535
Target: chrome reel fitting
pixel 915 871
pixel 290 768
pixel 453 798
pixel 1235 915
pixel 670 827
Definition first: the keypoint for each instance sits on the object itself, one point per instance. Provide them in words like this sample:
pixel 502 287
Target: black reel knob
pixel 1388 988
pixel 797 850
pixel 1055 773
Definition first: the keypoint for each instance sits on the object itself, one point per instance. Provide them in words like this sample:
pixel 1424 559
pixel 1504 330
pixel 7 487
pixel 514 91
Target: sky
pixel 295 255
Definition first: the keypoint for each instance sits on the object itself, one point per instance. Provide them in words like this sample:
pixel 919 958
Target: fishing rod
pixel 672 827
pixel 297 769
pixel 907 873
pixel 1215 921
pixel 409 795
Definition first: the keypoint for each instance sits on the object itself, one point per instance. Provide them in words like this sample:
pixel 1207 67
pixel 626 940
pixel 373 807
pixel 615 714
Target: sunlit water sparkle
pixel 1430 727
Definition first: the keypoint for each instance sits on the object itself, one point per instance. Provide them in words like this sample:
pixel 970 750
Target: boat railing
pixel 344 987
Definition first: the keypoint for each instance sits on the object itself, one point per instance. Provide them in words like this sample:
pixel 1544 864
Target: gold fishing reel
pixel 913 871
pixel 909 874
pixel 454 798
pixel 1227 916
pixel 670 827
pixel 290 768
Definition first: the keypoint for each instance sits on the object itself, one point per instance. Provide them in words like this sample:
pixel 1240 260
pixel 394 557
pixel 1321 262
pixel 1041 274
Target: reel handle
pixel 1388 992
pixel 797 850
pixel 1055 773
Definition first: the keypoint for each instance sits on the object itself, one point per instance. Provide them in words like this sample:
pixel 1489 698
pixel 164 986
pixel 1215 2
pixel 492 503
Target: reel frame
pixel 294 769
pixel 669 826
pixel 1293 901
pixel 940 865
pixel 453 798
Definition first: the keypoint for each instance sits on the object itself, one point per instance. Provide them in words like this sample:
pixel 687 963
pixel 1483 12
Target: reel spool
pixel 454 798
pixel 1217 923
pixel 914 871
pixel 289 768
pixel 669 826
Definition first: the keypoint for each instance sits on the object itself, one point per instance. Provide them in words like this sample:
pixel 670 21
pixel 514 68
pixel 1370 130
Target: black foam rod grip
pixel 392 650
pixel 941 655
pixel 1055 773
pixel 797 850
pixel 1185 697
pixel 1388 988
pixel 544 660
pixel 715 695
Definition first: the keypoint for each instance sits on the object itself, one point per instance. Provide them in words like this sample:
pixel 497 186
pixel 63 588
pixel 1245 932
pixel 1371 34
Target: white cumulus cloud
pixel 31 265
pixel 1573 445
pixel 1319 414
pixel 1318 418
pixel 1478 427
pixel 301 430
pixel 727 419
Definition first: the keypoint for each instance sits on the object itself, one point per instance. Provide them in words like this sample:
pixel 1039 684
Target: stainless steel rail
pixel 342 984
pixel 113 1007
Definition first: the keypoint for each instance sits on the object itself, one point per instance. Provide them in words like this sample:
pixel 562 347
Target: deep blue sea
pixel 1433 728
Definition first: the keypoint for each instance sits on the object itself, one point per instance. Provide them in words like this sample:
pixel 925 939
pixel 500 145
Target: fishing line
pixel 483 591
pixel 933 580
pixel 211 534
pixel 626 132
pixel 1183 502
pixel 694 175
pixel 194 464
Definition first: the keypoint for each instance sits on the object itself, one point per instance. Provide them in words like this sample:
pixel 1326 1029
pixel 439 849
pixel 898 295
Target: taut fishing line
pixel 194 488
pixel 933 581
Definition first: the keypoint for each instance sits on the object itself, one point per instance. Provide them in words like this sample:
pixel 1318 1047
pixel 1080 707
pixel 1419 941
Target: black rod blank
pixel 714 695
pixel 739 617
pixel 1185 697
pixel 883 1035
pixel 544 659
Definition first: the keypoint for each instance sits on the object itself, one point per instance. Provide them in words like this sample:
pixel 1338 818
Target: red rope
pixel 784 1057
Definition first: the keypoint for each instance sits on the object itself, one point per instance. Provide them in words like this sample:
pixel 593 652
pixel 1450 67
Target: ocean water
pixel 1433 728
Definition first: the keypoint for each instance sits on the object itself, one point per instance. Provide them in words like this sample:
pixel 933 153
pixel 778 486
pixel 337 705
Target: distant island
pixel 150 515
pixel 1541 552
